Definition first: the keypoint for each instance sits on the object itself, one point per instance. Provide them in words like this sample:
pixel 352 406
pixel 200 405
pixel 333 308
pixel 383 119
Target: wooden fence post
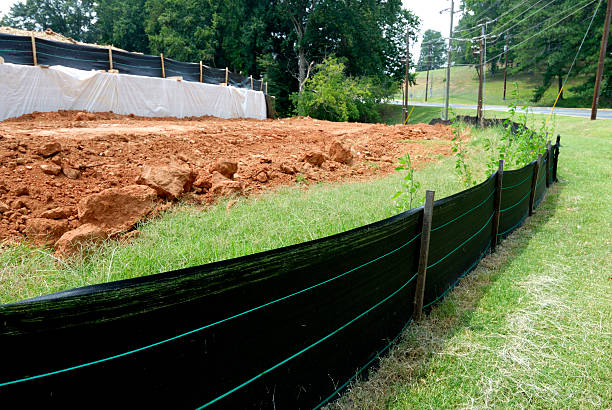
pixel 161 56
pixel 548 162
pixel 34 56
pixel 556 158
pixel 226 76
pixel 497 204
pixel 200 70
pixel 110 58
pixel 251 77
pixel 423 255
pixel 261 81
pixel 534 181
pixel 266 87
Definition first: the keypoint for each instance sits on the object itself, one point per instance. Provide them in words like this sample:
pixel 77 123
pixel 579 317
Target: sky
pixel 431 18
pixel 427 10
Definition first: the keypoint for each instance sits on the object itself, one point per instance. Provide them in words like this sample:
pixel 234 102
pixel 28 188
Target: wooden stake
pixel 200 70
pixel 423 255
pixel 557 145
pixel 534 181
pixel 161 56
pixel 110 58
pixel 251 77
pixel 266 87
pixel 261 84
pixel 34 57
pixel 548 161
pixel 226 76
pixel 602 57
pixel 497 204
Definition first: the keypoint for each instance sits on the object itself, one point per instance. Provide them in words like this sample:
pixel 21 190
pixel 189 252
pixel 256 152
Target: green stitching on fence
pixel 466 241
pixel 514 226
pixel 453 220
pixel 515 185
pixel 252 379
pixel 206 326
pixel 358 372
pixel 520 200
pixel 70 58
pixel 482 255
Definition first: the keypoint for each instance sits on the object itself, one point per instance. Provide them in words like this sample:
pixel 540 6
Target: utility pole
pixel 480 79
pixel 505 66
pixel 407 80
pixel 600 65
pixel 448 66
pixel 428 68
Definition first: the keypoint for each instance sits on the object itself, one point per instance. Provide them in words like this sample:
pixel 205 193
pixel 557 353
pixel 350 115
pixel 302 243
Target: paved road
pixel 572 112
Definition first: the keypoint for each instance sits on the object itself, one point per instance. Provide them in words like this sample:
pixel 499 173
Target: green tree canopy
pixel 433 51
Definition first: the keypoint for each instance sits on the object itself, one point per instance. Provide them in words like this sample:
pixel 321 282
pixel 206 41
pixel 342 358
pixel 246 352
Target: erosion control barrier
pixel 287 328
pixel 36 51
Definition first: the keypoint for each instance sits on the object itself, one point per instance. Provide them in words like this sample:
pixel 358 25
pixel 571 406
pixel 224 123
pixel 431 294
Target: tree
pixel 72 18
pixel 184 30
pixel 122 24
pixel 433 51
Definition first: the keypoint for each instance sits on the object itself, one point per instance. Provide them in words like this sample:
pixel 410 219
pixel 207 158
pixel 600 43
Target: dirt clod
pixel 340 153
pixel 315 158
pixel 225 168
pixel 70 241
pixel 51 169
pixel 49 149
pixel 43 231
pixel 169 181
pixel 71 172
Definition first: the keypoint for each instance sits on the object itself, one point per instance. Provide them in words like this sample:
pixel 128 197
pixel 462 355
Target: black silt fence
pixel 287 328
pixel 22 49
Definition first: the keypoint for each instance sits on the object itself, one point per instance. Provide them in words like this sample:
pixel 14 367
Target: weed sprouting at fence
pixel 406 196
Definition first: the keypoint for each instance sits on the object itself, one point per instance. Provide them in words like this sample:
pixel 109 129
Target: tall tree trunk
pixel 301 68
pixel 560 86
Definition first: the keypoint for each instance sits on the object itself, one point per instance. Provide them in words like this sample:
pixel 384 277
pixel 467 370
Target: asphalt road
pixel 572 112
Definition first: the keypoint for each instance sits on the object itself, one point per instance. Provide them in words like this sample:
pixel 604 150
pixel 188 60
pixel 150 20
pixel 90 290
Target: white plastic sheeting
pixel 25 89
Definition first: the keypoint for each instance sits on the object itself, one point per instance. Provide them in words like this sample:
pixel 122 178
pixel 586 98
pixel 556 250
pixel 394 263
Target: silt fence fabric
pixel 287 328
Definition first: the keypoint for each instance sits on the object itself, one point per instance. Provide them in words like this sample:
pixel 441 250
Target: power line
pixel 477 18
pixel 544 30
pixel 531 15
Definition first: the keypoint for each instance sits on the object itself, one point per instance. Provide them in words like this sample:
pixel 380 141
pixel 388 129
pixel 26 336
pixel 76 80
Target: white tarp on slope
pixel 25 89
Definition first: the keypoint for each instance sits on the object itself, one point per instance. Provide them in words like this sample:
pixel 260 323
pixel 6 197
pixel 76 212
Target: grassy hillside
pixel 464 88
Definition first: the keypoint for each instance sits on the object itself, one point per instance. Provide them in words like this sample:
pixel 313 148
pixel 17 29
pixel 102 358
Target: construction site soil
pixel 54 160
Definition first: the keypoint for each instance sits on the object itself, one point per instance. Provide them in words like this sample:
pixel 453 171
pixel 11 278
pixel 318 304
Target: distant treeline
pixel 281 40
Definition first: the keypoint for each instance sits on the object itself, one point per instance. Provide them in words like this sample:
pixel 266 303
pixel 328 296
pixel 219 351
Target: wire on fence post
pixel 497 204
pixel 34 57
pixel 534 181
pixel 423 254
pixel 161 56
pixel 548 162
pixel 557 145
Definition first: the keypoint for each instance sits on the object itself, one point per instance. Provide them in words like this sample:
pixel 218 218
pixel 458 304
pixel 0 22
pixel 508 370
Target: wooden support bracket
pixel 497 204
pixel 423 255
pixel 534 182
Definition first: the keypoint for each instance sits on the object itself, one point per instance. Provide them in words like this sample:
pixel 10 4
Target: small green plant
pixel 406 196
pixel 461 166
pixel 301 179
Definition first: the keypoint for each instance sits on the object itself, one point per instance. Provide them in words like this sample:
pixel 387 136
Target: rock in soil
pixel 340 153
pixel 71 172
pixel 169 181
pixel 223 187
pixel 62 212
pixel 43 231
pixel 71 241
pixel 315 158
pixel 117 209
pixel 51 169
pixel 49 149
pixel 287 168
pixel 225 168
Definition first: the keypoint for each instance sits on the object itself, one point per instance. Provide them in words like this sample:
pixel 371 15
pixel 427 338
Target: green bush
pixel 329 94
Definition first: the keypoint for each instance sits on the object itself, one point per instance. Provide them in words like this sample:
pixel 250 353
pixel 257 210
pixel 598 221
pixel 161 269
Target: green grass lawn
pixel 531 327
pixel 464 88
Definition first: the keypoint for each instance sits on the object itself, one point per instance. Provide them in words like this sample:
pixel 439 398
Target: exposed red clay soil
pixel 50 161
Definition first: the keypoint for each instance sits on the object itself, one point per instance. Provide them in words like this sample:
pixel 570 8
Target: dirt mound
pixel 54 160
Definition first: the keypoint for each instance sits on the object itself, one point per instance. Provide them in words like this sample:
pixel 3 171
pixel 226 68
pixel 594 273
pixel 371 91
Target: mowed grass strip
pixel 531 327
pixel 190 236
